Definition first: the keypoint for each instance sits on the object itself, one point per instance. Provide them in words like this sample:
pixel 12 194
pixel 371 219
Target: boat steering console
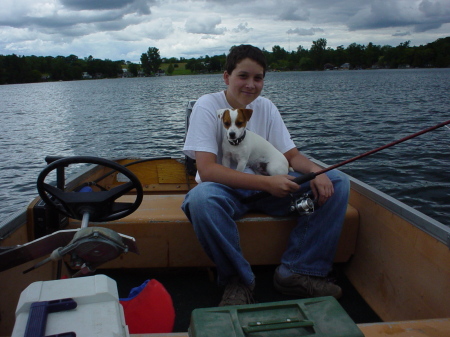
pixel 88 205
pixel 88 247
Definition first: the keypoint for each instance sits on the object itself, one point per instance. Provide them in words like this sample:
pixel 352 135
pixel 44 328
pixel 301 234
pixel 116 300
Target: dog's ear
pixel 220 113
pixel 247 113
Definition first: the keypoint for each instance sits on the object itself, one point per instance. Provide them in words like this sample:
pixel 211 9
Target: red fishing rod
pixel 310 176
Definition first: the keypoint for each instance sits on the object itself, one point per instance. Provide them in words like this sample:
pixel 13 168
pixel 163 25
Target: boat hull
pixel 397 258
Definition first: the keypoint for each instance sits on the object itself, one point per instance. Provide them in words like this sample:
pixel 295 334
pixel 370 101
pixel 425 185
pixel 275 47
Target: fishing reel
pixel 304 205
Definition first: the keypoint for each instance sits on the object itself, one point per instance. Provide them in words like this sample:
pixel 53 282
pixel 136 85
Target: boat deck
pixel 192 288
pixel 199 290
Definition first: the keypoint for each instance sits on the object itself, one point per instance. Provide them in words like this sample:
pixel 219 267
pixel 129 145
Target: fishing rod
pixel 310 176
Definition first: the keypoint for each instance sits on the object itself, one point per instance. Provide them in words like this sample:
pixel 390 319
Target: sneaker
pixel 306 286
pixel 237 293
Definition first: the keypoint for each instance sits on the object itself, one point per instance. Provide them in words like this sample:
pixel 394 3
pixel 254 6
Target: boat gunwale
pixel 12 223
pixel 432 227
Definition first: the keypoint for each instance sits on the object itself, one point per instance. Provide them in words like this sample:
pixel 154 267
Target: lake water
pixel 332 116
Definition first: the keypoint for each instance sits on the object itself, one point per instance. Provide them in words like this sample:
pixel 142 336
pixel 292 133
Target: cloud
pixel 242 28
pixel 105 28
pixel 139 6
pixel 434 8
pixel 426 26
pixel 155 30
pixel 292 11
pixel 204 24
pixel 305 32
pixel 97 4
pixel 423 16
pixel 435 14
pixel 55 15
pixel 379 15
pixel 402 33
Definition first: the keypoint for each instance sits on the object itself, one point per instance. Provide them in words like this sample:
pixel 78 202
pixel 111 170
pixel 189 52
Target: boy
pixel 215 203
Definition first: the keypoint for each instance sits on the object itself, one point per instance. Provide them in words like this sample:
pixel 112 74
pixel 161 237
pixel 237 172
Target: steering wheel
pixel 100 205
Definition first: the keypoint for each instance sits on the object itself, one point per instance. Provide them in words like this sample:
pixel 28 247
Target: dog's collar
pixel 237 141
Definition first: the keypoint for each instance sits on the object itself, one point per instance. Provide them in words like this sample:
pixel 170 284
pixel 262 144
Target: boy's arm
pixel 321 185
pixel 210 170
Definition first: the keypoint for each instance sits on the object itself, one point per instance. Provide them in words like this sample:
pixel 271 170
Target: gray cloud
pixel 426 26
pixel 426 15
pixel 402 33
pixel 181 28
pixel 61 24
pixel 305 32
pixel 95 4
pixel 435 8
pixel 140 6
pixel 242 28
pixel 78 12
pixel 292 12
pixel 379 15
pixel 204 25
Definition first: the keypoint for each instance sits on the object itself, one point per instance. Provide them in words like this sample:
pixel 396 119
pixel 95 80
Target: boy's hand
pixel 322 188
pixel 281 185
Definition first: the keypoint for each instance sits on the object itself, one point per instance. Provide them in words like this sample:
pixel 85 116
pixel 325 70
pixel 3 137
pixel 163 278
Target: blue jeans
pixel 213 209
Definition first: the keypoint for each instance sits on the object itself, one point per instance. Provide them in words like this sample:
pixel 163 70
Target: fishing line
pixel 312 175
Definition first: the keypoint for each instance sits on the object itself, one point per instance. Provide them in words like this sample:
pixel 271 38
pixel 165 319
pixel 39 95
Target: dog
pixel 247 148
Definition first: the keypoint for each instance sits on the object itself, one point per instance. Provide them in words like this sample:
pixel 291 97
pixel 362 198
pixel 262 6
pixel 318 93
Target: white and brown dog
pixel 247 148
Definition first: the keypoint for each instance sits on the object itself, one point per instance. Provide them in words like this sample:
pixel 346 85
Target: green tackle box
pixel 315 317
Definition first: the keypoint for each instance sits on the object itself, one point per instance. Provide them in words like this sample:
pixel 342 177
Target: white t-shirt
pixel 205 131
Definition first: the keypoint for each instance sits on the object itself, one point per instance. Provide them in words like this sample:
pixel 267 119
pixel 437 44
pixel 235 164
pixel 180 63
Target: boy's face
pixel 245 83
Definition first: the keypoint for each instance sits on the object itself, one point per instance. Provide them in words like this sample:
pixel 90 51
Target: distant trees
pixel 318 53
pixel 435 54
pixel 28 69
pixel 25 69
pixel 206 64
pixel 133 69
pixel 151 61
pixel 170 69
pixel 357 56
pixel 104 68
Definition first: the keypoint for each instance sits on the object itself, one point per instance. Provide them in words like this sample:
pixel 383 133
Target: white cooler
pixel 97 313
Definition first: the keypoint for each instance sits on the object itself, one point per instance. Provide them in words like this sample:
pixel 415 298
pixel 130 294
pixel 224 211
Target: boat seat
pixel 165 237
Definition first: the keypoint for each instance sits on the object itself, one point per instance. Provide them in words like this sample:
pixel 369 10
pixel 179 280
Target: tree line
pixel 354 56
pixel 29 69
pixel 26 69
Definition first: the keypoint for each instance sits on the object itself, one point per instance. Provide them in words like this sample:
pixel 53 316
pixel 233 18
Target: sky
pixel 124 29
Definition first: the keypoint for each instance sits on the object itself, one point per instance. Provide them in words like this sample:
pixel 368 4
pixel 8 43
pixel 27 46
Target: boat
pixel 122 218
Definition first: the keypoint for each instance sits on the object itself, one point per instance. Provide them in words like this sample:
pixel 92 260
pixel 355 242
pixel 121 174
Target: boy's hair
pixel 238 53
